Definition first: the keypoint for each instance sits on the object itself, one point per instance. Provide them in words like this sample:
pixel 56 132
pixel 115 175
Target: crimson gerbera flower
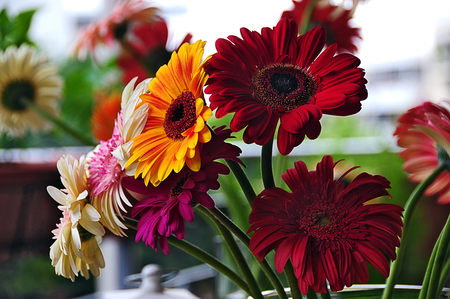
pixel 148 51
pixel 327 229
pixel 424 133
pixel 276 75
pixel 335 19
pixel 166 207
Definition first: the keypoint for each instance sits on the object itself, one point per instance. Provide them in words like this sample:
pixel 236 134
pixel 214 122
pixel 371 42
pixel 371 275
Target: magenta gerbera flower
pixel 277 75
pixel 424 134
pixel 327 229
pixel 165 208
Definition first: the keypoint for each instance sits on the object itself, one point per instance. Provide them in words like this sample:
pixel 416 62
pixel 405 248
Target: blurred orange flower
pixel 104 114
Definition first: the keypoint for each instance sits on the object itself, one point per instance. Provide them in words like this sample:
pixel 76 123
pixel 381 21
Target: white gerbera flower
pixel 26 76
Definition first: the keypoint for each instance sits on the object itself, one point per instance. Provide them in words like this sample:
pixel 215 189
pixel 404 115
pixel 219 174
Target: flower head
pixel 79 233
pixel 276 75
pixel 26 77
pixel 105 180
pixel 424 134
pixel 165 208
pixel 334 18
pixel 149 51
pixel 176 118
pixel 125 14
pixel 327 229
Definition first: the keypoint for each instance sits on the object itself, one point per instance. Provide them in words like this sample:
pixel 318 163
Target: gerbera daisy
pixel 424 133
pixel 27 76
pixel 107 161
pixel 124 15
pixel 105 179
pixel 327 229
pixel 276 75
pixel 176 117
pixel 148 51
pixel 79 233
pixel 166 207
pixel 334 18
pixel 104 114
pixel 131 122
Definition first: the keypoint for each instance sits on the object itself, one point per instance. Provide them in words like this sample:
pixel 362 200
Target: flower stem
pixel 266 164
pixel 246 241
pixel 242 179
pixel 293 282
pixel 410 206
pixel 435 267
pixel 255 291
pixel 201 255
pixel 77 135
pixel 303 26
pixel 445 271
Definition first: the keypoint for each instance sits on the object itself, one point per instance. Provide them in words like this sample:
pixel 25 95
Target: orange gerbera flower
pixel 176 117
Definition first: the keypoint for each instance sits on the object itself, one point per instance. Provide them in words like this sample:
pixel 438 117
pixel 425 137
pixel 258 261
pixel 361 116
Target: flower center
pixel 283 87
pixel 16 94
pixel 178 186
pixel 180 116
pixel 120 30
pixel 323 221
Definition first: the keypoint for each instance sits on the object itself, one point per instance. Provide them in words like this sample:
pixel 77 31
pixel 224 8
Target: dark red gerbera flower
pixel 165 208
pixel 147 52
pixel 424 134
pixel 277 75
pixel 327 229
pixel 335 19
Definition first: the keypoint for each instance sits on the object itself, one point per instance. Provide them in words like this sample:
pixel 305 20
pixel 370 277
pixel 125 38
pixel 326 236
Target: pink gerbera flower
pixel 424 134
pixel 326 228
pixel 166 207
pixel 277 75
pixel 113 28
pixel 105 179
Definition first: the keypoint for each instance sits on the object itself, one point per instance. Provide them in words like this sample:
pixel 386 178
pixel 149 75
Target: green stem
pixel 266 164
pixel 293 282
pixel 242 179
pixel 426 279
pixel 77 135
pixel 327 294
pixel 303 26
pixel 237 254
pixel 201 255
pixel 311 294
pixel 246 241
pixel 436 267
pixel 279 168
pixel 410 206
pixel 445 271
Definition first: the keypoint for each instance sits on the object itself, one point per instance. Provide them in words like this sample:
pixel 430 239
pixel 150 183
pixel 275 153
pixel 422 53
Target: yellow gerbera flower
pixel 176 117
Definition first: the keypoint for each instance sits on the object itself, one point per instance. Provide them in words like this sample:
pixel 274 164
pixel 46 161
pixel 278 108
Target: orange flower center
pixel 180 116
pixel 283 87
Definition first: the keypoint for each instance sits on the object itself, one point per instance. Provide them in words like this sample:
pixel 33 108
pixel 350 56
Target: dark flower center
pixel 323 221
pixel 156 59
pixel 178 186
pixel 283 87
pixel 120 30
pixel 180 116
pixel 16 93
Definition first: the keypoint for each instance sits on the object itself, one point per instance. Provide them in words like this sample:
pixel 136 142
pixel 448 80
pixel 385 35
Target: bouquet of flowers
pixel 162 157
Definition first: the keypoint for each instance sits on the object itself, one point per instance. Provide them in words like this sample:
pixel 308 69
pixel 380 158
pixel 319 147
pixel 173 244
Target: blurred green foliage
pixel 14 30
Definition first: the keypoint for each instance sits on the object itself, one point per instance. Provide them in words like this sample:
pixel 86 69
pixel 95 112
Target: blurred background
pixel 405 51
